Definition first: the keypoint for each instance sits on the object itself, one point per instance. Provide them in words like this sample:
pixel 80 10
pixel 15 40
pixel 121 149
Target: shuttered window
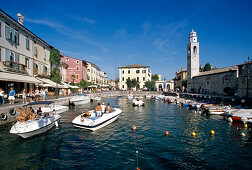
pixel 27 44
pixel 35 51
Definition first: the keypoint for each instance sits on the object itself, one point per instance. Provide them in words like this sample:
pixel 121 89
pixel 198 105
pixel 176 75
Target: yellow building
pixel 134 71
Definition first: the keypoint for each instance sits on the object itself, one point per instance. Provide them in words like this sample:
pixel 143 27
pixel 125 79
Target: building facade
pixel 95 75
pixel 76 69
pixel 181 79
pixel 245 80
pixel 164 85
pixel 135 71
pixel 22 55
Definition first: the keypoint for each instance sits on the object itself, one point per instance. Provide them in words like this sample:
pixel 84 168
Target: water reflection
pixel 114 146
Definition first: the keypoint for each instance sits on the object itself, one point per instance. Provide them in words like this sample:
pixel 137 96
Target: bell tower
pixel 192 59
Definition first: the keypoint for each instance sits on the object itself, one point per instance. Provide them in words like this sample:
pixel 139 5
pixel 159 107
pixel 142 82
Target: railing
pixel 13 66
pixel 44 74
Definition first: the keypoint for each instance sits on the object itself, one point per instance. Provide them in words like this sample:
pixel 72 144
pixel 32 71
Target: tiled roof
pixel 217 71
pixel 134 66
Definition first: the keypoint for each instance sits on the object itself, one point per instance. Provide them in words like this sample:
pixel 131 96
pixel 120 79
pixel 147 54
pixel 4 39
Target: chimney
pixel 20 18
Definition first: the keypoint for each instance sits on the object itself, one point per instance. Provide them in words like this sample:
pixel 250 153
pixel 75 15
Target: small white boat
pixel 93 123
pixel 58 108
pixel 80 99
pixel 130 96
pixel 137 103
pixel 96 98
pixel 242 115
pixel 148 96
pixel 33 127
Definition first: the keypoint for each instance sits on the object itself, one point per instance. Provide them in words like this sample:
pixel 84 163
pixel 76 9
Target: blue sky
pixel 153 33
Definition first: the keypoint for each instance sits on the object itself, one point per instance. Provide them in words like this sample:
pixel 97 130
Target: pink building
pixel 76 70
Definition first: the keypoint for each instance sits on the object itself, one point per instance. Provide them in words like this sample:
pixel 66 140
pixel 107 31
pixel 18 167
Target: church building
pixel 217 81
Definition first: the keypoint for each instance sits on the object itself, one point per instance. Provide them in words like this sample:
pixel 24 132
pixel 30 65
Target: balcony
pixel 35 72
pixel 44 74
pixel 14 67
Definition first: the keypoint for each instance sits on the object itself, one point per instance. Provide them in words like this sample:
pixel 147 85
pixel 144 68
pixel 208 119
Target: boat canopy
pixel 40 102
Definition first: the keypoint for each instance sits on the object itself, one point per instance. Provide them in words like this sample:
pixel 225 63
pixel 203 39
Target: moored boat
pixel 137 102
pixel 93 123
pixel 80 99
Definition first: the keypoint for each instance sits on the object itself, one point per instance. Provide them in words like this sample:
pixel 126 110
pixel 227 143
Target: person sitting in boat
pixel 54 112
pixel 103 107
pixel 108 108
pixel 86 114
pixel 23 116
pixel 98 110
pixel 30 113
pixel 39 112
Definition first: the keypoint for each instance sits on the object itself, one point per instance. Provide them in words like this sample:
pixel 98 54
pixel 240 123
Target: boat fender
pixel 4 117
pixel 13 112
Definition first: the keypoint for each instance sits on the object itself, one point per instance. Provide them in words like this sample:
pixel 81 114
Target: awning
pixel 50 82
pixel 92 86
pixel 18 78
pixel 72 87
pixel 45 85
pixel 105 85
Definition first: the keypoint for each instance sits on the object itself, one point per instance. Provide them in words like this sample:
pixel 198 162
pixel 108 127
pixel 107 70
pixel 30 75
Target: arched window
pixel 195 49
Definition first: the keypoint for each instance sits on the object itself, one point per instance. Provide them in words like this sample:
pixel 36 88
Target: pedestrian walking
pixel 37 94
pixel 1 96
pixel 12 95
pixel 24 96
pixel 43 94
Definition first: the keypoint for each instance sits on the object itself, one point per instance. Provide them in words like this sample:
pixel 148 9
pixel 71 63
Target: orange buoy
pixel 137 168
pixel 133 127
pixel 166 133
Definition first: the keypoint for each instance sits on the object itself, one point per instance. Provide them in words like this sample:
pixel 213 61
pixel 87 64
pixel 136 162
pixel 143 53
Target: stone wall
pixel 245 76
pixel 215 83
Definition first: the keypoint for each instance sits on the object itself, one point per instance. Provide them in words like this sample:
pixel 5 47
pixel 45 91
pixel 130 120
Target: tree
pixel 150 85
pixel 131 83
pixel 207 67
pixel 55 62
pixel 154 77
pixel 84 84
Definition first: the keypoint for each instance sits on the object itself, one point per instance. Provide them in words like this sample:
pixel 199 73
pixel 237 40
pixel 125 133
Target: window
pixel 123 79
pixel 123 71
pixel 27 44
pixel 35 66
pixel 143 71
pixel 44 56
pixel 0 28
pixel 11 34
pixel 88 78
pixel 88 70
pixel 128 71
pixel 77 68
pixel 35 51
pixel 77 62
pixel 16 59
pixel 27 62
pixel 143 78
pixel 67 59
pixel 44 69
pixel 122 86
pixel 137 79
pixel 137 71
pixel 0 54
pixel 77 76
pixel 195 49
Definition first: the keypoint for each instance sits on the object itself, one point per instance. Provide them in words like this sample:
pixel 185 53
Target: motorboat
pixel 96 98
pixel 58 108
pixel 93 123
pixel 130 96
pixel 137 103
pixel 80 99
pixel 35 126
pixel 242 115
pixel 148 96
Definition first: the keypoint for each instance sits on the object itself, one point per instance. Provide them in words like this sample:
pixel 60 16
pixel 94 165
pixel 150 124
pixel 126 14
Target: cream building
pixel 134 71
pixel 95 75
pixel 22 54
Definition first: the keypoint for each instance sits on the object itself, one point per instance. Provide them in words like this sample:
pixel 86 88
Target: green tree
pixel 150 85
pixel 73 77
pixel 134 82
pixel 154 77
pixel 84 84
pixel 131 83
pixel 55 62
pixel 207 67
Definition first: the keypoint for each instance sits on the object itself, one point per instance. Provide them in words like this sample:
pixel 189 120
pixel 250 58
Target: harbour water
pixel 115 146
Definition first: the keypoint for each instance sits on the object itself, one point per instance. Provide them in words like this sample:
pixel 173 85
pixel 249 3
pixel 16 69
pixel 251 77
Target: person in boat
pixel 108 109
pixel 30 113
pixel 86 114
pixel 103 107
pixel 54 112
pixel 39 112
pixel 23 116
pixel 98 110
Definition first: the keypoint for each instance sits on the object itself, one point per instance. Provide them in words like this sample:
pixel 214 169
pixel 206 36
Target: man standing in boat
pixel 98 110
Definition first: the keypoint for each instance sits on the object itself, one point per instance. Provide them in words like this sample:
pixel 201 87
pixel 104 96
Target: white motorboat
pixel 59 109
pixel 96 98
pixel 130 96
pixel 35 126
pixel 80 99
pixel 137 103
pixel 242 115
pixel 148 96
pixel 93 123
